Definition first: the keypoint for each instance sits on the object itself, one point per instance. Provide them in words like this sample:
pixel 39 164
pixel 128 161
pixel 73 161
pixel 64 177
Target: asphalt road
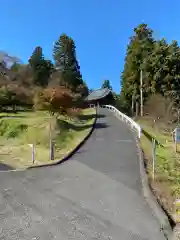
pixel 95 195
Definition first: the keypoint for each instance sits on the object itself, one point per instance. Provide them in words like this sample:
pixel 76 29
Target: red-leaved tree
pixel 54 99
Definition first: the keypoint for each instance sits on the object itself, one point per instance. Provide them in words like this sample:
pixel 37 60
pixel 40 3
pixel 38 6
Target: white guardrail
pixel 123 117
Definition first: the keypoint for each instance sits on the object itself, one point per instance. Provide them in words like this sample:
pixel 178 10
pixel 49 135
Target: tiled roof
pixel 98 94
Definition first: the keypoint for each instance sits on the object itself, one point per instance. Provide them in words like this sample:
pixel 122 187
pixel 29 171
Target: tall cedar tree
pixel 160 63
pixel 64 54
pixel 41 68
pixel 137 59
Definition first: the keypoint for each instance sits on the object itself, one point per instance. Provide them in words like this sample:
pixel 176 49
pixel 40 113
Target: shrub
pixel 73 112
pixel 159 107
pixel 54 99
pixel 11 128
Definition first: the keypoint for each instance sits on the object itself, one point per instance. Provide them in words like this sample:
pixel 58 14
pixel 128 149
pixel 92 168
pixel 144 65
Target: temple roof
pixel 98 94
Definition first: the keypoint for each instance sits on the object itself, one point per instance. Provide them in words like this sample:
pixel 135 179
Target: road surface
pixel 95 195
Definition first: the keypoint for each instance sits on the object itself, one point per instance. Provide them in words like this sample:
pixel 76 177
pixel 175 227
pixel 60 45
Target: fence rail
pixel 123 117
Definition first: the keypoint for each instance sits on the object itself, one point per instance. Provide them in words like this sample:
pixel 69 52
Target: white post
pixel 153 157
pixel 33 152
pixel 141 92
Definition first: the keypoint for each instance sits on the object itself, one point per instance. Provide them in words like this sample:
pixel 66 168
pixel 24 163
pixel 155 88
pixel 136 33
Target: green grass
pixel 19 130
pixel 167 167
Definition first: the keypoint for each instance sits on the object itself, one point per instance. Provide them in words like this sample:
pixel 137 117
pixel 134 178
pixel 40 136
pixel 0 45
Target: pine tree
pixel 64 54
pixel 41 68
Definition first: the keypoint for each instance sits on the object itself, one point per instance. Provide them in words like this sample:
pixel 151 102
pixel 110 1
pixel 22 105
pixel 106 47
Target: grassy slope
pixel 19 130
pixel 167 170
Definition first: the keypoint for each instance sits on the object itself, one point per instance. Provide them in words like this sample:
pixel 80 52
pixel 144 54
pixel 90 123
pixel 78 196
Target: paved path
pixel 96 195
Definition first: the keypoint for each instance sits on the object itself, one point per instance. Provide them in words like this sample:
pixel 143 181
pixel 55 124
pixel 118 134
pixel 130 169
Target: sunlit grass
pixel 19 130
pixel 167 165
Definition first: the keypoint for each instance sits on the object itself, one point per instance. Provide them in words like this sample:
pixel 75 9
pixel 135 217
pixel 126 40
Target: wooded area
pixel 40 83
pixel 159 63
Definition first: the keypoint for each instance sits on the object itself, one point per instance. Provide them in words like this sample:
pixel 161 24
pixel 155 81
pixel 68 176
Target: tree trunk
pixel 132 106
pixel 137 108
pixel 51 135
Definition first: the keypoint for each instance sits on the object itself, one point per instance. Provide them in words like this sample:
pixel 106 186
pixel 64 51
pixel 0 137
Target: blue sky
pixel 100 28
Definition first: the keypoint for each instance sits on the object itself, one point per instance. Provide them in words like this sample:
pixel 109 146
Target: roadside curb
pixel 165 226
pixel 71 152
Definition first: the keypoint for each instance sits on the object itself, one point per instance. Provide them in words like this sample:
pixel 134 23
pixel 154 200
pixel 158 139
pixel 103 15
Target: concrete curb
pixel 165 226
pixel 71 152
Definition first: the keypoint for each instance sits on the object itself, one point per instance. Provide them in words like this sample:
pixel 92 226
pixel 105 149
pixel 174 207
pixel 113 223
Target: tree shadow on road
pixel 4 167
pixel 90 116
pixel 101 125
pixel 64 125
